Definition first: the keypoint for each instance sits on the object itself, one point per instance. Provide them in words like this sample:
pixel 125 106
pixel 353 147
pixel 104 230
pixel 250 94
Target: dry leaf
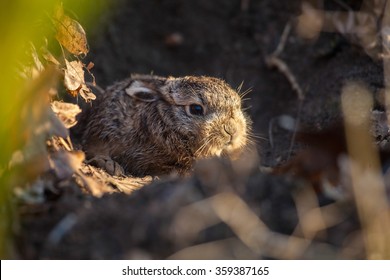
pixel 86 93
pixel 98 181
pixel 74 75
pixel 74 80
pixel 66 112
pixel 70 33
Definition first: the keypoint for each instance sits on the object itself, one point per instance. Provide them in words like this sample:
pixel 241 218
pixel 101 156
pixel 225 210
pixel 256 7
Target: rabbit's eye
pixel 195 110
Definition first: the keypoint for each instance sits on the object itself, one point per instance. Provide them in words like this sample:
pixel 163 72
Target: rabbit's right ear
pixel 142 92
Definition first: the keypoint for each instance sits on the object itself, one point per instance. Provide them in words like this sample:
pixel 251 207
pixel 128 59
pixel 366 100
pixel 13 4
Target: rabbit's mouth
pixel 231 146
pixel 229 140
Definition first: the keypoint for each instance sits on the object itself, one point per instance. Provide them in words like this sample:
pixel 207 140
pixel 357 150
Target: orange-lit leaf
pixel 70 33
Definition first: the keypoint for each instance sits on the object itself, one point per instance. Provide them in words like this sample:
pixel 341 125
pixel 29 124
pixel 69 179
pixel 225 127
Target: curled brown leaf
pixel 74 75
pixel 74 80
pixel 66 112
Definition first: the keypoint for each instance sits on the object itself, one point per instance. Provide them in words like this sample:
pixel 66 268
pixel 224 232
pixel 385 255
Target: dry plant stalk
pixel 312 218
pixel 365 172
pixel 386 53
pixel 249 229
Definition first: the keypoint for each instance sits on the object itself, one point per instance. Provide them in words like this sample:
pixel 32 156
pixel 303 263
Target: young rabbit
pixel 151 125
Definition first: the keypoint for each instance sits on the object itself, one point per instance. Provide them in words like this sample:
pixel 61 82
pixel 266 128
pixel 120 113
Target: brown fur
pixel 143 123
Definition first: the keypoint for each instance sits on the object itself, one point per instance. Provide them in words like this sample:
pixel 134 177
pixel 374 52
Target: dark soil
pixel 223 39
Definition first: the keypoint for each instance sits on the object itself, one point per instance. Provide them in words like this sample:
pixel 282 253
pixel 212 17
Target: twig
pixel 283 40
pixel 294 136
pixel 273 60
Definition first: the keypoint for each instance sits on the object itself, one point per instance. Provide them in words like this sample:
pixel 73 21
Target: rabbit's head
pixel 203 115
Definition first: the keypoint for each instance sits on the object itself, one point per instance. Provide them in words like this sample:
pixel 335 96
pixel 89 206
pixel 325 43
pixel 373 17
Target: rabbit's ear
pixel 142 92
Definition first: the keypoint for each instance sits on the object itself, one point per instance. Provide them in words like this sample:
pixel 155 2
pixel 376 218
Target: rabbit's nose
pixel 231 130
